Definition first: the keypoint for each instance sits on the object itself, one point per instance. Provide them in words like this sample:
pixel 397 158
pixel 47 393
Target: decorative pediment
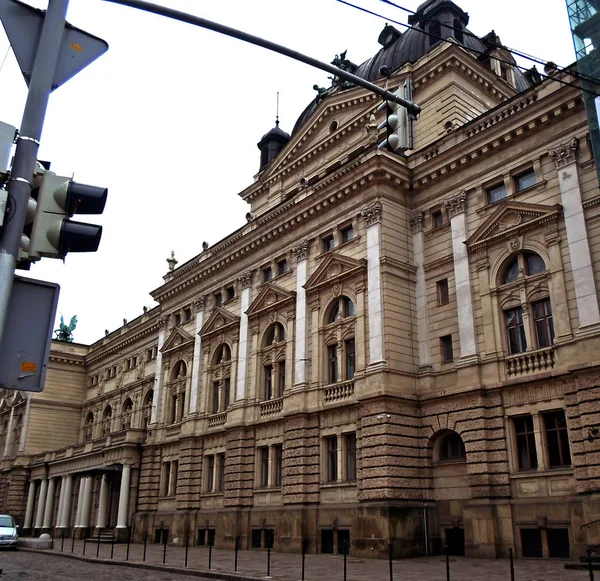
pixel 512 219
pixel 221 320
pixel 270 297
pixel 178 339
pixel 335 268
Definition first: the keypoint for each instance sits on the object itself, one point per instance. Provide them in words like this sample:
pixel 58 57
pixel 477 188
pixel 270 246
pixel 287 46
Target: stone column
pixel 124 497
pixel 372 217
pixel 39 515
pixel 87 502
pixel 565 157
pixel 418 223
pixel 47 523
pixel 67 500
pixel 246 282
pixel 30 503
pixel 61 503
pixel 456 209
pixel 79 502
pixel 102 503
pixel 197 364
pixel 158 376
pixel 301 253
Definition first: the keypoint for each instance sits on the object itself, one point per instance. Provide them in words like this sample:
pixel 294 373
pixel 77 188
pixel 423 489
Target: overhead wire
pixel 473 50
pixel 513 51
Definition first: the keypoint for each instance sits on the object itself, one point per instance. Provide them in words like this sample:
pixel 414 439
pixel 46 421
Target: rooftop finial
pixel 277 116
pixel 172 261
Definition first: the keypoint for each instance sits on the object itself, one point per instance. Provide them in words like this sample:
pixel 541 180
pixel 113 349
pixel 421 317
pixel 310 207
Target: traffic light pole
pixel 28 142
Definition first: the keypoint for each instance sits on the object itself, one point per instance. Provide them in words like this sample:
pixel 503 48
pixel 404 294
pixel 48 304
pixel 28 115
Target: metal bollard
pixel 165 551
pixel 590 567
pixel 209 554
pixel 512 565
pixel 345 550
pixel 187 546
pixel 84 544
pixel 236 553
pixel 447 564
pixel 128 543
pixel 145 541
pixel 112 546
pixel 98 545
pixel 73 541
pixel 62 540
pixel 304 548
pixel 269 560
pixel 390 555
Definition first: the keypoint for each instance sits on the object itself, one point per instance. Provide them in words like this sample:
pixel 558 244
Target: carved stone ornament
pixel 417 221
pixel 565 153
pixel 456 205
pixel 270 298
pixel 335 269
pixel 509 220
pixel 199 304
pixel 272 316
pixel 245 279
pixel 372 214
pixel 162 322
pixel 336 290
pixel 301 251
pixel 515 244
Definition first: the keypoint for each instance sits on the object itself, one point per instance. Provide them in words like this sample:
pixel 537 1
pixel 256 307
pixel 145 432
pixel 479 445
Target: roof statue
pixel 65 332
pixel 172 261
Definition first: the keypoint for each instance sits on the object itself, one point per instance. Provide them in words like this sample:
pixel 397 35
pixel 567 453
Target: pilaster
pixel 301 253
pixel 242 359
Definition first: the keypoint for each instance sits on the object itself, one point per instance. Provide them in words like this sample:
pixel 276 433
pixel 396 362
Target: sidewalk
pixel 288 567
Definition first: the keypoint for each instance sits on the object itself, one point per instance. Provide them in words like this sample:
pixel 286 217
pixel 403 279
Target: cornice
pixel 591 203
pixel 77 360
pixel 437 263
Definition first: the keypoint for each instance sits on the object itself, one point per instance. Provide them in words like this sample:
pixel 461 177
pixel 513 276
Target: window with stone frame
pixel 272 354
pixel 126 414
pixel 523 291
pixel 331 458
pixel 177 389
pixel 220 379
pixel 88 427
pixel 451 448
pixel 107 420
pixel 525 442
pixel 278 461
pixel 220 472
pixel 263 466
pixel 3 434
pixel 340 345
pixel 350 456
pixel 558 450
pixel 209 468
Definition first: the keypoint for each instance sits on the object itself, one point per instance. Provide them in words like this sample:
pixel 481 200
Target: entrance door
pixel 455 541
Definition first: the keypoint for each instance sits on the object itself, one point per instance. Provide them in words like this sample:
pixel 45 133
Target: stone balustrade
pixel 271 407
pixel 217 420
pixel 530 362
pixel 338 392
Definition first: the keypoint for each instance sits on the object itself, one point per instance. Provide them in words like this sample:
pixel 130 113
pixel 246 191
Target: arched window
pixel 126 414
pixel 273 355
pixel 340 308
pixel 529 263
pixel 147 408
pixel 275 334
pixel 179 370
pixel 451 447
pixel 223 354
pixel 106 420
pixel 220 394
pixel 88 429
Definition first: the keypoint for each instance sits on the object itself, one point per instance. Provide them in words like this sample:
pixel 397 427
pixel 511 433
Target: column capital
pixel 417 221
pixel 163 322
pixel 565 153
pixel 456 204
pixel 199 303
pixel 245 279
pixel 301 251
pixel 372 214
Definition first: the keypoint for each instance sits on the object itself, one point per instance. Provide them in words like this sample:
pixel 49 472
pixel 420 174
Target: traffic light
pixel 53 234
pixel 398 121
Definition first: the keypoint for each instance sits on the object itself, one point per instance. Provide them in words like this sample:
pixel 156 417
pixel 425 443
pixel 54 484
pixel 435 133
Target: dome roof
pixel 441 18
pixel 276 133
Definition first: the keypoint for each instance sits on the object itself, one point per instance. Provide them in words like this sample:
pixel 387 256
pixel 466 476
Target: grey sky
pixel 168 119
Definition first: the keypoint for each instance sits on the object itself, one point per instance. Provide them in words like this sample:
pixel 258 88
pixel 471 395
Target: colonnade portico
pixel 41 516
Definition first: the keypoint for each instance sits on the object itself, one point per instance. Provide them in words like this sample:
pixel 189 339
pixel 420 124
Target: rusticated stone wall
pixel 239 468
pixel 149 478
pixel 189 481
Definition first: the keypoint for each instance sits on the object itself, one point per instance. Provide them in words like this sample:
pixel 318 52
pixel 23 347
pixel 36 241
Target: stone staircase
pixel 106 536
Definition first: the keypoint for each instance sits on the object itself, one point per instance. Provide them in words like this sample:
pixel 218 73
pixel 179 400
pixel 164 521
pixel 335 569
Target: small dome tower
pixel 271 144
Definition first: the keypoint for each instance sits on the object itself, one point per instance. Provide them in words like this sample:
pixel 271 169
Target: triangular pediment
pixel 220 320
pixel 335 267
pixel 176 340
pixel 270 297
pixel 512 219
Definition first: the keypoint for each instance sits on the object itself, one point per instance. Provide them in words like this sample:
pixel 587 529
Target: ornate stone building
pixel 395 347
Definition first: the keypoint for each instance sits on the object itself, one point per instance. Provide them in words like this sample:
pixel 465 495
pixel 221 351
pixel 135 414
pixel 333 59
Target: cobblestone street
pixel 253 565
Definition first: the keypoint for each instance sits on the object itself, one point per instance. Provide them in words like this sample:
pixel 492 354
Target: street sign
pixel 27 336
pixel 23 26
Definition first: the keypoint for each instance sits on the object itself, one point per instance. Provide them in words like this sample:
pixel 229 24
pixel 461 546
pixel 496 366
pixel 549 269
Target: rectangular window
pixel 328 243
pixel 187 314
pixel 218 299
pixel 148 358
pixel 230 293
pixel 278 458
pixel 177 319
pixel 166 478
pixel 525 180
pixel 446 348
pixel 525 439
pixel 557 439
pixel 544 326
pixel 496 193
pixel 531 542
pixel 437 219
pixel 332 455
pixel 327 541
pixel 443 294
pixel 215 397
pixel 210 473
pixel 281 378
pixel 559 546
pixel 267 274
pixel 347 233
pixel 332 363
pixel 263 463
pixel 173 479
pixel 282 266
pixel 256 539
pixel 517 343
pixel 350 444
pixel 350 358
pixel 268 382
pixel 226 392
pixel 220 486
